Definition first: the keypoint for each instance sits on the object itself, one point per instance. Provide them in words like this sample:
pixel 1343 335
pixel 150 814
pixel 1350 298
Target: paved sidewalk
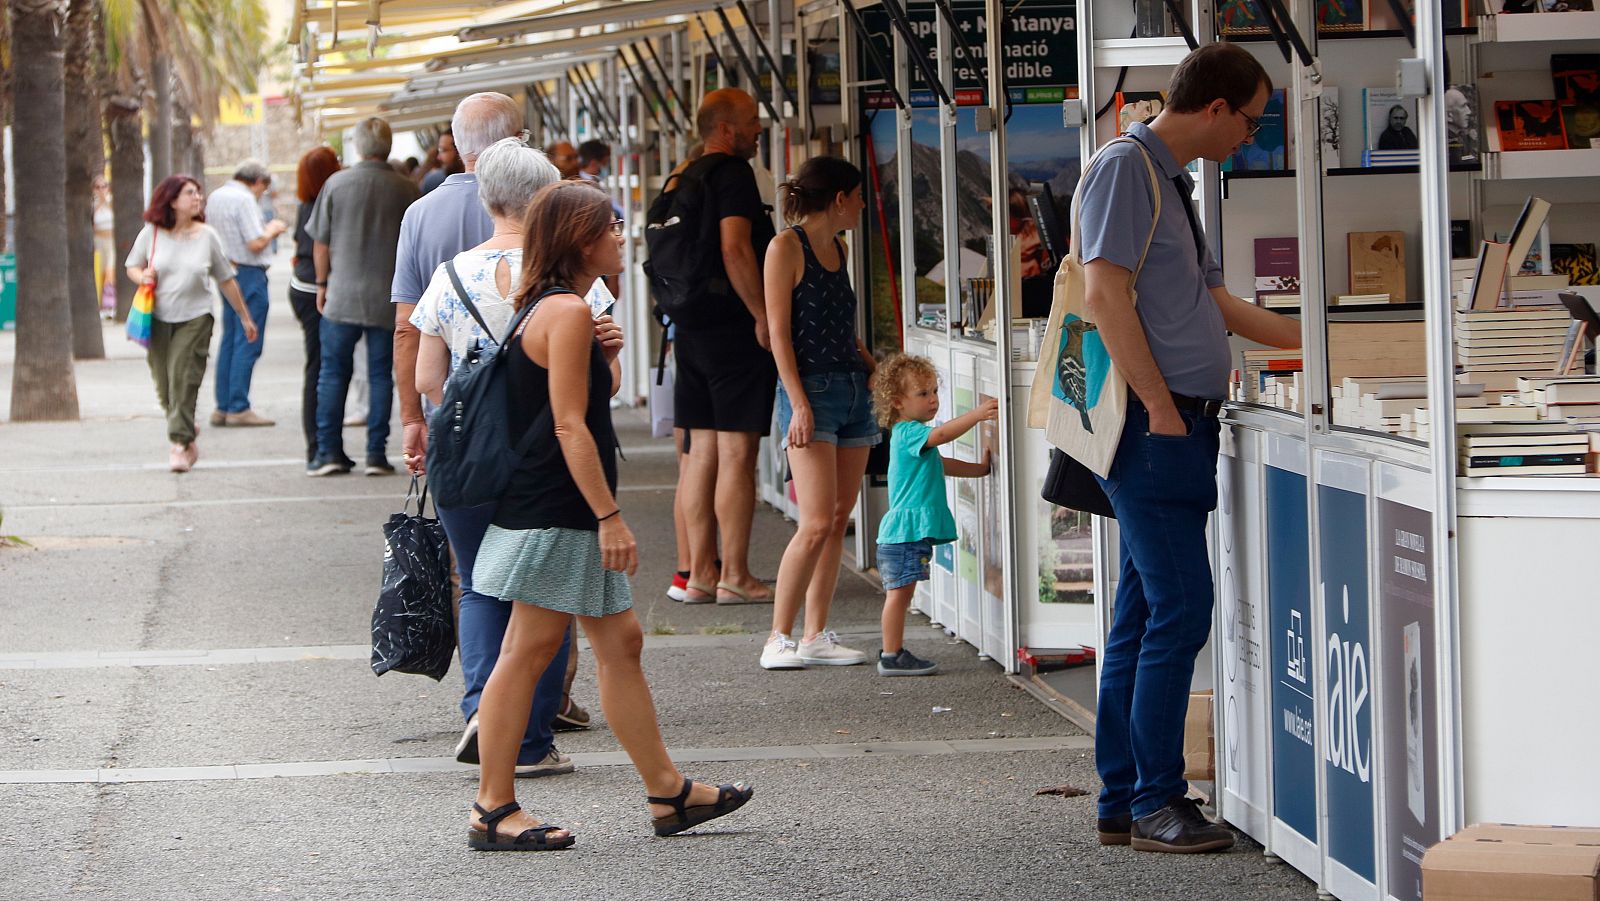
pixel 186 708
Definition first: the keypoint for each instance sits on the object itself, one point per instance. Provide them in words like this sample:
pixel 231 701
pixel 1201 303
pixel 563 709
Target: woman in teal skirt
pixel 559 546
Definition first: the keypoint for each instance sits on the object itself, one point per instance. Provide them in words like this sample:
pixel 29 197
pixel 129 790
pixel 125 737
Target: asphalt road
pixel 186 709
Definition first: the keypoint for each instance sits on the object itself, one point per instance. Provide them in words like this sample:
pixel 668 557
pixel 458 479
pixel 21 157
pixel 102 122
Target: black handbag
pixel 413 625
pixel 1070 484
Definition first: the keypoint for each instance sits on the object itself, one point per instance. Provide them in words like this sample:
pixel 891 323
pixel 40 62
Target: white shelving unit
pixel 1525 27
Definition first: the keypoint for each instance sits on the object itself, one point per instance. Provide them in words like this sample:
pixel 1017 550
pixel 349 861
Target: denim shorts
pixel 905 564
pixel 841 409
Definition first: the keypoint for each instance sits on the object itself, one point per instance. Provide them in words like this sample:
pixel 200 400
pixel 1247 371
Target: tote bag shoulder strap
pixel 1155 195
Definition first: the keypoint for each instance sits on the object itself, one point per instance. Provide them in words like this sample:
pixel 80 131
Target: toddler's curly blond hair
pixel 892 377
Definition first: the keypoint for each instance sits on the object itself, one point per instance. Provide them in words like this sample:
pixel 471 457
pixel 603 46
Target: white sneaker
pixel 779 653
pixel 825 650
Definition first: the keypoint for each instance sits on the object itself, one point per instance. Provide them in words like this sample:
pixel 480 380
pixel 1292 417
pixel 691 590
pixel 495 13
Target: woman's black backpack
pixel 470 454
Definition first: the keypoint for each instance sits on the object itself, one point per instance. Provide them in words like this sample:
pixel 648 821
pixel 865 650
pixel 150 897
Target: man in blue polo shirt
pixel 1172 347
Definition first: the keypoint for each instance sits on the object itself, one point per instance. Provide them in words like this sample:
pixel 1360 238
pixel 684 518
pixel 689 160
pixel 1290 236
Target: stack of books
pixel 1495 347
pixel 1574 398
pixel 1264 363
pixel 1521 449
pixel 1283 391
pixel 1374 158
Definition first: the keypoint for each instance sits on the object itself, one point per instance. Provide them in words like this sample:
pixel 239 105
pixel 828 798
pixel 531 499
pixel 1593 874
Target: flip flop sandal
pixel 729 798
pixel 699 593
pixel 737 595
pixel 571 718
pixel 535 839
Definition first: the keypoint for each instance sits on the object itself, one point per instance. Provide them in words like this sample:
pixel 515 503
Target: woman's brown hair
pixel 316 166
pixel 562 222
pixel 160 213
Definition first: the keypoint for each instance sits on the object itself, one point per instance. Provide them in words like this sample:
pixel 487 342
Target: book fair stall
pixel 1408 505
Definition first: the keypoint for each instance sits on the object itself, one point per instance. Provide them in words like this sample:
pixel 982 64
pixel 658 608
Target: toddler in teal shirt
pixel 906 397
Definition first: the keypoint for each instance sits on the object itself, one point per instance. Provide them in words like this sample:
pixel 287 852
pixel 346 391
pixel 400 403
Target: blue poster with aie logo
pixel 1293 736
pixel 1347 659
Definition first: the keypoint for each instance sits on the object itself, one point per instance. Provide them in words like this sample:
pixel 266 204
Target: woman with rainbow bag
pixel 176 260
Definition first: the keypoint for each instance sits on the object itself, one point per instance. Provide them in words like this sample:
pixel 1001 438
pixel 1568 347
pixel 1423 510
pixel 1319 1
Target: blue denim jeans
pixel 483 627
pixel 236 357
pixel 1162 489
pixel 333 383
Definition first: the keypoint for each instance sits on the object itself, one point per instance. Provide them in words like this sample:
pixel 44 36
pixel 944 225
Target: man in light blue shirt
pixel 1172 347
pixel 234 210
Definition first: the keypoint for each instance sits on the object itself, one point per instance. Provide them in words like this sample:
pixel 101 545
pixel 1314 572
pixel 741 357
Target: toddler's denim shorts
pixel 841 409
pixel 900 565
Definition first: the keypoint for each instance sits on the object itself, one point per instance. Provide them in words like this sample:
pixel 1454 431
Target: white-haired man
pixel 234 210
pixel 448 220
pixel 355 225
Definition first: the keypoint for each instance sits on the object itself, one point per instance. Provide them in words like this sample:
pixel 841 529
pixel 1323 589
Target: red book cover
pixel 1530 125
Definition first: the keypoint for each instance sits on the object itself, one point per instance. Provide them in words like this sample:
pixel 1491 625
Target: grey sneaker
pixel 825 650
pixel 905 663
pixel 554 764
pixel 467 747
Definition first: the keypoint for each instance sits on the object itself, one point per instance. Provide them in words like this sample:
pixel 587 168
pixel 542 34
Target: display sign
pixel 1041 51
pixel 1294 759
pixel 1347 761
pixel 1244 680
pixel 1407 704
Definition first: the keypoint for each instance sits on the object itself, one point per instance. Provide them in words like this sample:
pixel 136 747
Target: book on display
pixel 1378 263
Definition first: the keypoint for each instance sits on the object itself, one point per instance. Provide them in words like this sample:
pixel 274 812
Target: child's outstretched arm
pixel 961 469
pixel 955 428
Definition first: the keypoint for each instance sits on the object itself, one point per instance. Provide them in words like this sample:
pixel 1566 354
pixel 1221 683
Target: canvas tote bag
pixel 1078 397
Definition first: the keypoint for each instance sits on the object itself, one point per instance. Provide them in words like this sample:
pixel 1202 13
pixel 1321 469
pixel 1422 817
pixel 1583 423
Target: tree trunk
pixel 183 143
pixel 161 121
pixel 42 385
pixel 83 141
pixel 5 116
pixel 127 189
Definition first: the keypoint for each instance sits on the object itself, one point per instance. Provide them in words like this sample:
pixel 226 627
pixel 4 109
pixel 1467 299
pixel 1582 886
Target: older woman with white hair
pixel 509 174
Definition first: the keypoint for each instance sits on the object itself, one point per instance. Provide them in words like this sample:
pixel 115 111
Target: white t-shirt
pixel 441 313
pixel 188 271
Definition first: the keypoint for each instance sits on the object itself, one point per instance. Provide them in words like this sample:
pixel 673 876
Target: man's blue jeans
pixel 483 627
pixel 333 383
pixel 236 357
pixel 1162 489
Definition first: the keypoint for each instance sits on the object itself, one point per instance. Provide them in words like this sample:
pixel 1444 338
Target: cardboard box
pixel 1529 863
pixel 1199 740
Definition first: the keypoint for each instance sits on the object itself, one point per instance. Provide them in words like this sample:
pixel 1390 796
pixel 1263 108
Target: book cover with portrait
pixel 1341 15
pixel 1461 123
pixel 1388 118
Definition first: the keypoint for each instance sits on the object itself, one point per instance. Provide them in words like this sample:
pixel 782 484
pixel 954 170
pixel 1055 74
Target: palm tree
pixel 42 384
pixel 84 162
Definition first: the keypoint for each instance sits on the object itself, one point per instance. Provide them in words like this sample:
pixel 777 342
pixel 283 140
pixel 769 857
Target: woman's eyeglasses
pixel 617 227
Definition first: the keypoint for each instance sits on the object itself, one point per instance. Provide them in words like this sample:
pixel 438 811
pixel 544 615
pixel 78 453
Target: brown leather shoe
pixel 219 418
pixel 248 418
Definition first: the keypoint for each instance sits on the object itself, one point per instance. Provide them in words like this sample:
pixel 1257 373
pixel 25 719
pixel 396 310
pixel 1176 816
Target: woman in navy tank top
pixel 559 547
pixel 824 402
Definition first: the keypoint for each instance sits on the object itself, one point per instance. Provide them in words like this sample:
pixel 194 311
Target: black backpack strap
pixel 661 359
pixel 466 299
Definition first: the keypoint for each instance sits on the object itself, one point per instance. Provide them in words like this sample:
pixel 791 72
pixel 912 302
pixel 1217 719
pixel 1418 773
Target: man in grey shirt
pixel 355 226
pixel 1172 347
pixel 234 210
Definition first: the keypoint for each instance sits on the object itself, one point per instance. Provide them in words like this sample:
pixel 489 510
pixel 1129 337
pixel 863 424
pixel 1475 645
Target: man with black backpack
pixel 707 238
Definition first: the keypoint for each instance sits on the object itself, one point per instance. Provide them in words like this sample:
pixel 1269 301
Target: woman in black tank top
pixel 558 547
pixel 824 402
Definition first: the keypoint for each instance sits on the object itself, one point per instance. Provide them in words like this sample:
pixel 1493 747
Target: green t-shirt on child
pixel 917 507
